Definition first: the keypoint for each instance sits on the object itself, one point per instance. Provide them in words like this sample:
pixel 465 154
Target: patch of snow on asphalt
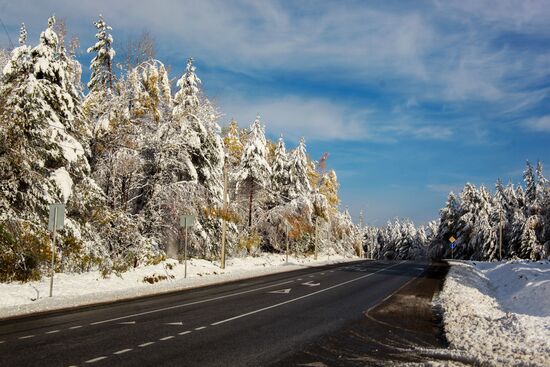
pixel 498 312
pixel 72 290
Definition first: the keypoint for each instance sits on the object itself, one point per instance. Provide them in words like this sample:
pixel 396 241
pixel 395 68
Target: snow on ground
pixel 498 313
pixel 87 288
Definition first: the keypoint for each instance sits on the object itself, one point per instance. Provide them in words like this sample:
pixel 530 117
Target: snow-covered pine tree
pixel 499 216
pixel 485 232
pixel 280 173
pixel 204 143
pixel 43 160
pixel 531 238
pixel 102 77
pixel 254 171
pixel 543 198
pixel 448 226
pixel 470 204
pixel 515 217
pixel 98 104
pixel 530 186
pixel 406 245
pixel 186 100
pixel 22 35
pixel 298 172
pixel 187 169
pixel 530 247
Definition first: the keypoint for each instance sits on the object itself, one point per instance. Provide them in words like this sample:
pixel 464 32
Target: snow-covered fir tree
pixel 186 100
pixel 280 175
pixel 46 161
pixel 102 78
pixel 254 171
pixel 299 184
pixel 22 35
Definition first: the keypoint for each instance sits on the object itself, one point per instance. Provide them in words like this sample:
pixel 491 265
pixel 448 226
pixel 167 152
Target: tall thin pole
pixel 53 250
pixel 286 227
pixel 316 235
pixel 225 212
pixel 185 251
pixel 500 236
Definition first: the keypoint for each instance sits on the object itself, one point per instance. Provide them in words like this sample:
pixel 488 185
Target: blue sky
pixel 410 98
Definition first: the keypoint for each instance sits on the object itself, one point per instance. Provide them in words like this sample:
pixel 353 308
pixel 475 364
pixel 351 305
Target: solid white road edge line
pixel 188 304
pixel 301 297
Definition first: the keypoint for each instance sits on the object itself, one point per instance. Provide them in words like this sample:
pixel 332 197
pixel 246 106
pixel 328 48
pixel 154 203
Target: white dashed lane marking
pixel 188 304
pixel 301 297
pixel 96 359
pixel 26 337
pixel 75 327
pixel 215 323
pixel 123 351
pixel 52 331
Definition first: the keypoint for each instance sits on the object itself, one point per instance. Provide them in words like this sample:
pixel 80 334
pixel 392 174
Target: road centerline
pixel 301 297
pixel 188 304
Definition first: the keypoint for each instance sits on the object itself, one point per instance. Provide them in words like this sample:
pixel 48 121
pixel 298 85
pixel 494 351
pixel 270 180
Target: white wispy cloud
pixel 442 52
pixel 446 188
pixel 541 124
pixel 295 116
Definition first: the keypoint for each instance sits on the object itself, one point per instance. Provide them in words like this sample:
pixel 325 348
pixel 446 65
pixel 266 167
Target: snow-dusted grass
pixel 498 313
pixel 81 289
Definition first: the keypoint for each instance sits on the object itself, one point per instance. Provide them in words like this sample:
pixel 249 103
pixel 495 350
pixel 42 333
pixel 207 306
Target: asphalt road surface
pixel 253 322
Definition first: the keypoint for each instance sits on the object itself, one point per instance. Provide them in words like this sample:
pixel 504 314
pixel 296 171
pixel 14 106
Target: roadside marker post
pixel 186 221
pixel 453 245
pixel 316 236
pixel 56 221
pixel 225 208
pixel 287 230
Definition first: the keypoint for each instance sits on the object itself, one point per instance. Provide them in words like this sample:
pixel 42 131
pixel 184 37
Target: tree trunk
pixel 250 206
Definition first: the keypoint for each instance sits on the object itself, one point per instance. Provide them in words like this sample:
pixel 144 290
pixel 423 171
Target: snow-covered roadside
pixel 72 290
pixel 498 313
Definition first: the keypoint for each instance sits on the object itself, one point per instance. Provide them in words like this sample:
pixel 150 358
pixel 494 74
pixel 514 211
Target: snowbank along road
pixel 252 322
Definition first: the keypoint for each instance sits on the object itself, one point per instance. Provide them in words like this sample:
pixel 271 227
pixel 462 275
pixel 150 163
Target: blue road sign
pixel 453 245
